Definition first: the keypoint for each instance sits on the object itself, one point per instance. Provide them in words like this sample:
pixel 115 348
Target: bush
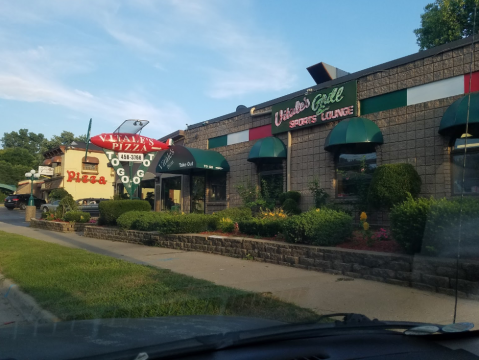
pixel 391 183
pixel 318 227
pixel 319 194
pixel 337 207
pixel 291 207
pixel 166 222
pixel 408 221
pixel 293 195
pixel 66 204
pixel 261 227
pixel 112 209
pixel 235 214
pixel 446 223
pixel 58 194
pixel 226 225
pixel 77 216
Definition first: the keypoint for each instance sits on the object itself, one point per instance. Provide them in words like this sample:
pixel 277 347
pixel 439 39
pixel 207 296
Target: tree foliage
pixel 23 139
pixel 11 174
pixel 18 156
pixel 444 21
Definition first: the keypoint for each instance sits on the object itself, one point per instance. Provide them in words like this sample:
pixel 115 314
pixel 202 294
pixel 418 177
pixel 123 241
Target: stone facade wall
pixel 57 226
pixel 410 134
pixel 430 274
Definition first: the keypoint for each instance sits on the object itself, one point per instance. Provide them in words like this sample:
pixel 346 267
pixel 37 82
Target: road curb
pixel 25 304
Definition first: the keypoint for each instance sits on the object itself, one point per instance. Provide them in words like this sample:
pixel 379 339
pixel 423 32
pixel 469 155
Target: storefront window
pixel 353 172
pixel 470 186
pixel 171 193
pixel 271 180
pixel 217 183
pixel 198 189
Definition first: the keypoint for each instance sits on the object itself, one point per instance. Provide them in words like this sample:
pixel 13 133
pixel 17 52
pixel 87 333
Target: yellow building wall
pixel 72 161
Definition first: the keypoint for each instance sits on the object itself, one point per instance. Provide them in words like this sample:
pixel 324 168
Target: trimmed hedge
pixel 77 216
pixel 111 210
pixel 261 227
pixel 408 221
pixel 433 227
pixel 235 214
pixel 166 222
pixel 391 184
pixel 446 223
pixel 318 227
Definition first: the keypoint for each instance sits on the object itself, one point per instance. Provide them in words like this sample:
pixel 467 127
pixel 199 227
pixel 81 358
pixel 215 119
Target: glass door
pixel 171 193
pixel 198 190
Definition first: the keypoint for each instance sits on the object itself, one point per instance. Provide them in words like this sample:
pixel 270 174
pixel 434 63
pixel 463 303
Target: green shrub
pixel 408 221
pixel 235 214
pixel 291 207
pixel 2 197
pixel 66 204
pixel 318 227
pixel 261 227
pixel 448 221
pixel 294 195
pixel 110 210
pixel 58 194
pixel 166 222
pixel 337 207
pixel 77 216
pixel 226 225
pixel 319 194
pixel 391 183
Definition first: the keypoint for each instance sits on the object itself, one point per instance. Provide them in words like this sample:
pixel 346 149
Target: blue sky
pixel 178 62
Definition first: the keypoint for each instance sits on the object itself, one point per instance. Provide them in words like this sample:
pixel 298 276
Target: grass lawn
pixel 77 284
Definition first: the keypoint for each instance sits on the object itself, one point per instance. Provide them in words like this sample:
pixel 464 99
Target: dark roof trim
pixel 354 76
pixel 177 135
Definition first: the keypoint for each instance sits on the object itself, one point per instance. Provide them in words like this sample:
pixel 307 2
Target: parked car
pixel 21 201
pixel 50 206
pixel 90 205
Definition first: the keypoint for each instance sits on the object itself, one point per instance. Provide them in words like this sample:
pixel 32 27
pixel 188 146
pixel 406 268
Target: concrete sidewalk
pixel 321 292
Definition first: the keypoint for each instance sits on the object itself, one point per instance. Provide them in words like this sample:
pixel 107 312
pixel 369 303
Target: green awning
pixel 353 131
pixel 181 159
pixel 11 188
pixel 268 149
pixel 454 120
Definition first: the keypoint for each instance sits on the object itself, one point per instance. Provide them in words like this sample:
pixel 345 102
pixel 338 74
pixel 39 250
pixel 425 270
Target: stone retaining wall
pixel 57 226
pixel 424 273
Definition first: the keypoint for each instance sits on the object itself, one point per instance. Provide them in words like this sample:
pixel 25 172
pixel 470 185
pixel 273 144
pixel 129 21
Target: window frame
pixel 213 179
pixel 89 171
pixel 353 149
pixel 456 152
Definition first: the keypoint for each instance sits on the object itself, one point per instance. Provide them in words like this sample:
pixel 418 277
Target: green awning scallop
pixel 268 149
pixel 181 159
pixel 353 131
pixel 454 120
pixel 11 188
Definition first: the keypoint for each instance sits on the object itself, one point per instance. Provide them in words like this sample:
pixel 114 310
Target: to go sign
pixel 124 178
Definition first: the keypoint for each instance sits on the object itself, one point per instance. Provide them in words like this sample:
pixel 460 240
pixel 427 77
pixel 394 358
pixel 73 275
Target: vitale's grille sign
pixel 334 103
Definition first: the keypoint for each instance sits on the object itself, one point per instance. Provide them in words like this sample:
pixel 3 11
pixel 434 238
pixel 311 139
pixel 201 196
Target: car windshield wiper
pixel 350 322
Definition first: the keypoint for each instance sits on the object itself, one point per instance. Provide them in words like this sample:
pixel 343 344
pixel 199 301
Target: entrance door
pixel 171 193
pixel 198 191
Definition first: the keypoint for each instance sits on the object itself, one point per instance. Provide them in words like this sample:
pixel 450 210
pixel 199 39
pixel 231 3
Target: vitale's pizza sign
pixel 334 103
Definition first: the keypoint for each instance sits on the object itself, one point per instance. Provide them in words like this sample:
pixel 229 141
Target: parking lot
pixel 15 216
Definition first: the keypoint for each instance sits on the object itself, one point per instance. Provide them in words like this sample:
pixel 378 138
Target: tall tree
pixel 65 138
pixel 23 139
pixel 446 20
pixel 18 156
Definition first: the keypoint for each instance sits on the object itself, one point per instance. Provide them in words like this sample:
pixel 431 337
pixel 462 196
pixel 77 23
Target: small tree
pixel 58 194
pixel 320 195
pixel 66 204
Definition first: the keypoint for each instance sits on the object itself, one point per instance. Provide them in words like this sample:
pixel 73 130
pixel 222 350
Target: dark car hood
pixel 77 339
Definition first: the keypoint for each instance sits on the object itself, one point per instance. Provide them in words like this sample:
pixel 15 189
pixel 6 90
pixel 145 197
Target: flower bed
pixel 358 242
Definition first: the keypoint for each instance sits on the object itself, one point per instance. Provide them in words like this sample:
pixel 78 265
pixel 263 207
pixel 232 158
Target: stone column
pixel 30 213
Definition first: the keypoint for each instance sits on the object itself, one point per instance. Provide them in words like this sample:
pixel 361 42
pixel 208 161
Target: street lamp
pixel 32 176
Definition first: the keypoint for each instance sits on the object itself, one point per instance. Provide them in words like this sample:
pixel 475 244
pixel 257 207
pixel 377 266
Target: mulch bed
pixel 358 243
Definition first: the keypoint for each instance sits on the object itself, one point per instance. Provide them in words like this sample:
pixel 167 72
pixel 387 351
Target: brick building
pixel 396 112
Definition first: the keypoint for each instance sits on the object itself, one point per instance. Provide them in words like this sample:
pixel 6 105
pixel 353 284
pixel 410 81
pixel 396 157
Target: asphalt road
pixel 15 216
